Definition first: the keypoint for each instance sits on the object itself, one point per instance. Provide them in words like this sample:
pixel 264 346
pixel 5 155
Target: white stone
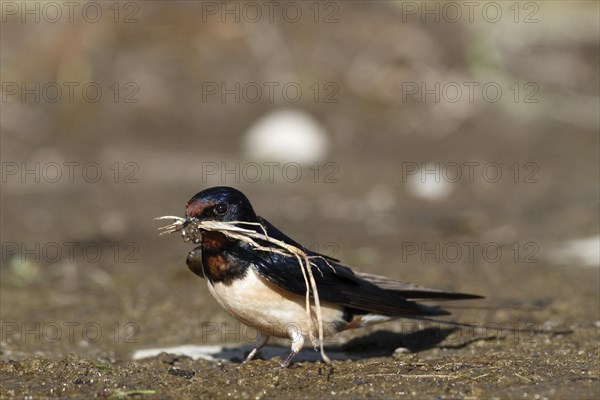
pixel 287 135
pixel 429 185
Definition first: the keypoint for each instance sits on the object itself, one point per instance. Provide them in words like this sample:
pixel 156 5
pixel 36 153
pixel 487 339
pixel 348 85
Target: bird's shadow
pixel 380 343
pixel 383 343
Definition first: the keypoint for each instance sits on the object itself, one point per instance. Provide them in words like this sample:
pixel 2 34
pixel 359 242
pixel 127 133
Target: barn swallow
pixel 266 290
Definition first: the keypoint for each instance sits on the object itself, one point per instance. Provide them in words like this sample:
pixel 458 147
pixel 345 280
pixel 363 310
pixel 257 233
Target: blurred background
pixel 451 145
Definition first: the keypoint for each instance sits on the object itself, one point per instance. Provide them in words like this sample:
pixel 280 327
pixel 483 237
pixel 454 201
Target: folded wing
pixel 342 285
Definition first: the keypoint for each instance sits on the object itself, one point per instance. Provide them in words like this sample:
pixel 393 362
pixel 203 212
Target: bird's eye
pixel 221 209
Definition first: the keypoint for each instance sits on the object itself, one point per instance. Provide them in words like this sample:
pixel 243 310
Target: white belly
pixel 272 310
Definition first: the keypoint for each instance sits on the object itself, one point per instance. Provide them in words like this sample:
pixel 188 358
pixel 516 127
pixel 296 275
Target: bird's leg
pixel 261 341
pixel 297 343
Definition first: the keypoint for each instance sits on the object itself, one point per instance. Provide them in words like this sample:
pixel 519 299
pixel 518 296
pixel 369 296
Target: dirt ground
pixel 547 349
pixel 86 283
pixel 542 359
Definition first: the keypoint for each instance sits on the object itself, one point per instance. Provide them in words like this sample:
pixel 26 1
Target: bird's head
pixel 220 203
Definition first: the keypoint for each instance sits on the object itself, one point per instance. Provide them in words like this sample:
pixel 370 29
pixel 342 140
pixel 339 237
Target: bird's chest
pixel 257 303
pixel 270 309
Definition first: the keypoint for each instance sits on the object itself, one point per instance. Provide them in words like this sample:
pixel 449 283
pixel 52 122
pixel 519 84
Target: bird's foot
pixel 288 360
pixel 250 356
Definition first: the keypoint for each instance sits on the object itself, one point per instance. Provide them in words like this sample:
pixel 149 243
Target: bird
pixel 267 290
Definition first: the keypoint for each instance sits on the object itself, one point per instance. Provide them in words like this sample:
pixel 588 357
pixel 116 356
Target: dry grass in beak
pixel 191 230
